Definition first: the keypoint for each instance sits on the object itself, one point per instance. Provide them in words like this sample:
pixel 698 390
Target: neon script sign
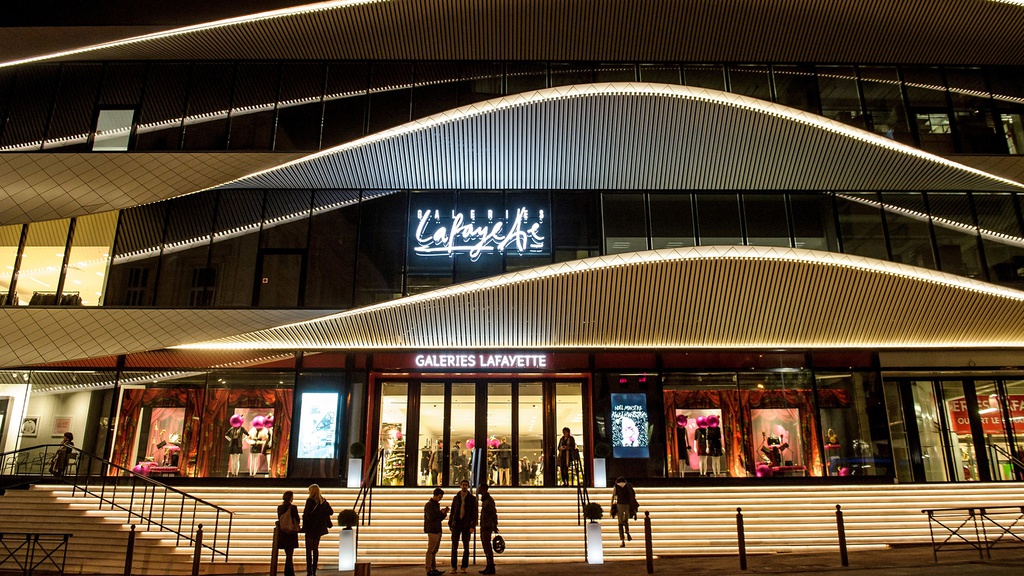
pixel 475 234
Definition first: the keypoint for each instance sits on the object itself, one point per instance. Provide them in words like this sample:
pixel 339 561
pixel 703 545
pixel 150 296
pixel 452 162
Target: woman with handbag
pixel 288 531
pixel 316 519
pixel 624 506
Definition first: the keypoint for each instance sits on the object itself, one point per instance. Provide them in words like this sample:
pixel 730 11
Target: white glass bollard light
pixel 347 549
pixel 600 476
pixel 595 549
pixel 355 472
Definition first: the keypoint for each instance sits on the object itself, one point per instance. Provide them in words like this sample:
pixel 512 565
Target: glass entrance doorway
pixel 440 431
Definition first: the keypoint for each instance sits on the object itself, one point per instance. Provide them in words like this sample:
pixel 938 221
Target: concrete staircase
pixel 539 525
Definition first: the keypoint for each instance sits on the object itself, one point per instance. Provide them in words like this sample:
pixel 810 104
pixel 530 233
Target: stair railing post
pixel 648 542
pixel 741 541
pixel 129 552
pixel 273 550
pixel 843 555
pixel 198 551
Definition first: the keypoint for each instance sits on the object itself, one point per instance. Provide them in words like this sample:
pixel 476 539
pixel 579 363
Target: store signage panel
pixel 318 422
pixel 520 228
pixel 482 360
pixel 474 361
pixel 990 412
pixel 629 426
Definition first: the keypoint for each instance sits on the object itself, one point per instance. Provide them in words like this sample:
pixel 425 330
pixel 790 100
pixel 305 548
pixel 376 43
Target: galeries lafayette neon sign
pixel 486 360
pixel 468 234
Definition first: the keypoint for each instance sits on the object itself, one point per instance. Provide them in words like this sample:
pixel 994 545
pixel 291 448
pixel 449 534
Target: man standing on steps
pixel 432 516
pixel 462 521
pixel 488 526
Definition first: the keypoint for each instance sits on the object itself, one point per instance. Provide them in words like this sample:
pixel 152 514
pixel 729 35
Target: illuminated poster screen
pixel 629 426
pixel 317 424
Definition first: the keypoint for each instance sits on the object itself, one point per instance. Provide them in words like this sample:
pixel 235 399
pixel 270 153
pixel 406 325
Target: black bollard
pixel 740 539
pixel 129 552
pixel 199 551
pixel 648 542
pixel 843 556
pixel 273 550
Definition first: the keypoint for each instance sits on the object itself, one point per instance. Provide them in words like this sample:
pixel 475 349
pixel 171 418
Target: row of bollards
pixel 130 551
pixel 742 542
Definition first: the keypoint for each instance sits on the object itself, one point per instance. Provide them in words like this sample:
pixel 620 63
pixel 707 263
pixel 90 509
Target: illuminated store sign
pixel 629 426
pixel 484 360
pixel 477 232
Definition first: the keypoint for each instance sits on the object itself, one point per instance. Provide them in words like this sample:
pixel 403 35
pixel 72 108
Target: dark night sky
pixel 131 12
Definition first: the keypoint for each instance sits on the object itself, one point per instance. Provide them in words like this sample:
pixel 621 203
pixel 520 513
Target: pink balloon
pixel 237 420
pixel 713 421
pixel 702 422
pixel 258 422
pixel 139 469
pixel 681 421
pixel 844 471
pixel 494 443
pixel 763 470
pixel 269 421
pixel 470 444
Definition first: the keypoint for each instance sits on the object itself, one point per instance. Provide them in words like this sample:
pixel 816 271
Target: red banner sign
pixel 989 410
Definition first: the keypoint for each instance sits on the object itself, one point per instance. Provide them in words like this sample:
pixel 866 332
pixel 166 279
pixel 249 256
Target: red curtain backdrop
pixel 133 401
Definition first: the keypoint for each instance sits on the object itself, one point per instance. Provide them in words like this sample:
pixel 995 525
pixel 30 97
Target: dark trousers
pixel 563 467
pixel 289 562
pixel 312 553
pixel 485 539
pixel 464 534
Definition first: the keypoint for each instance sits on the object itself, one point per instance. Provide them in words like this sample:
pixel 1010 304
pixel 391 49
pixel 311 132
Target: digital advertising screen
pixel 318 423
pixel 629 426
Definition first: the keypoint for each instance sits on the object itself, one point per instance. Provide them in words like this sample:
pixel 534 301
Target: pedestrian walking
pixel 624 506
pixel 488 526
pixel 566 454
pixel 288 531
pixel 462 522
pixel 316 520
pixel 432 516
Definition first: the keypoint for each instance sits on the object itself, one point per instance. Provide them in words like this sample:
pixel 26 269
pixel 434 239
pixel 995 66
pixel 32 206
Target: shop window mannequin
pixel 682 443
pixel 257 439
pixel 700 440
pixel 234 436
pixel 268 447
pixel 714 438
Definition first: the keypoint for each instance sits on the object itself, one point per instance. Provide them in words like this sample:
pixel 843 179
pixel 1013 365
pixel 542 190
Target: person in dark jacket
pixel 488 525
pixel 625 506
pixel 566 454
pixel 462 522
pixel 432 516
pixel 316 519
pixel 288 531
pixel 59 462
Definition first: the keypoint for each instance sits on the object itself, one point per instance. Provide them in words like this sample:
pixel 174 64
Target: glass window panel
pixel 814 225
pixel 997 213
pixel 206 124
pixel 1007 83
pixel 660 73
pixel 344 120
pixel 113 130
pixel 480 81
pixel 74 107
pixel 335 229
pixel 286 219
pixel 10 240
pixel 463 429
pixel 860 223
pixel 29 107
pixel 184 278
pixel 163 106
pixel 767 224
pixel 380 262
pixel 955 234
pixel 929 430
pixel 840 99
pixel 615 73
pixel 1005 262
pixel 122 84
pixel 566 74
pixel 933 129
pixel 958 436
pixel 437 88
pixel 569 414
pixel 925 87
pixel 671 220
pixel 966 87
pixel 883 99
pixel 997 442
pixel 432 426
pixel 704 76
pixel 1013 129
pixel 976 130
pixel 718 217
pixel 525 77
pixel 90 257
pixel 752 81
pixel 575 231
pixel 300 106
pixel 531 434
pixel 797 87
pixel 429 212
pixel 909 234
pixel 137 248
pixel 625 223
pixel 235 245
pixel 499 433
pixel 394 407
pixel 389 109
pixel 854 422
pixel 1015 399
pixel 898 433
pixel 41 262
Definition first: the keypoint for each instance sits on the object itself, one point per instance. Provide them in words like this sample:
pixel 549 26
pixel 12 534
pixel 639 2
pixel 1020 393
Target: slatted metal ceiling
pixel 43 186
pixel 43 335
pixel 626 136
pixel 879 31
pixel 706 297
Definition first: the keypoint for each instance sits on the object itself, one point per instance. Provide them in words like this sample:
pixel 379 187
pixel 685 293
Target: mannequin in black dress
pixel 714 445
pixel 234 437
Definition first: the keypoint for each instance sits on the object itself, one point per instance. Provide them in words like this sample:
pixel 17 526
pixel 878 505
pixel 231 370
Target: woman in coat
pixel 288 531
pixel 316 519
pixel 624 506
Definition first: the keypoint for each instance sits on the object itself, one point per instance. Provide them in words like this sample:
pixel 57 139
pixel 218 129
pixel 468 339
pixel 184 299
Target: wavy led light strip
pixel 667 255
pixel 248 19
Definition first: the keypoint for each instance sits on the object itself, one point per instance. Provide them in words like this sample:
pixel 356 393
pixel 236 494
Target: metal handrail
pixel 150 507
pixel 364 499
pixel 1009 457
pixel 582 496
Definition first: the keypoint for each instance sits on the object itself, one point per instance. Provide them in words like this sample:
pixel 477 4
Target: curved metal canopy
pixel 970 32
pixel 707 297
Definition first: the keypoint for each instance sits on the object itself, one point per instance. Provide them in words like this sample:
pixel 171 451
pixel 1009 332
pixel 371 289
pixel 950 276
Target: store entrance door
pixel 440 431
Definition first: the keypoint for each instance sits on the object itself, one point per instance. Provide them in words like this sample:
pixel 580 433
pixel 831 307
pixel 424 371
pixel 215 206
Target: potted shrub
pixel 355 464
pixel 595 547
pixel 347 540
